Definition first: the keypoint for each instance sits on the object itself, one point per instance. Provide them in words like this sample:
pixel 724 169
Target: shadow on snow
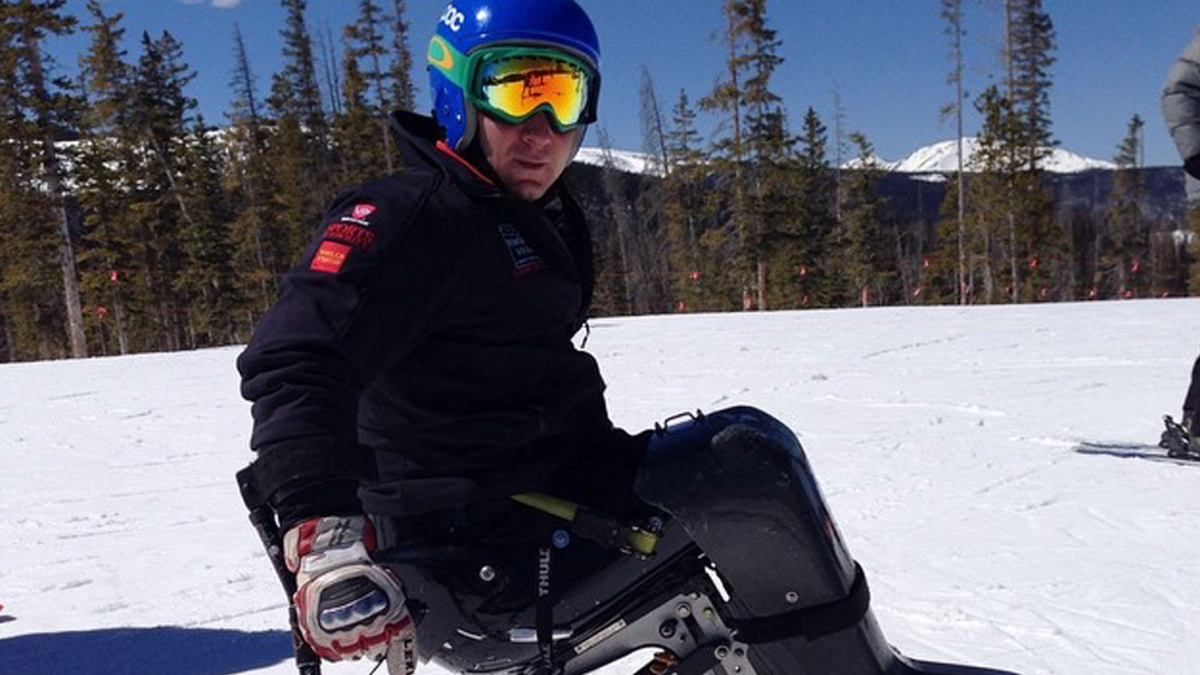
pixel 1117 449
pixel 164 650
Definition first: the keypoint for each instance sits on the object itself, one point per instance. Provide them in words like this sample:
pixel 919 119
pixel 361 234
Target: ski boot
pixel 1179 439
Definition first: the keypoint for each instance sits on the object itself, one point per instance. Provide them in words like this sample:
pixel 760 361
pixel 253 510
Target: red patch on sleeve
pixel 330 257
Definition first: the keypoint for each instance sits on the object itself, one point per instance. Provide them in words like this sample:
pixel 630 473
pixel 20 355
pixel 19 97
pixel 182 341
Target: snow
pixel 944 439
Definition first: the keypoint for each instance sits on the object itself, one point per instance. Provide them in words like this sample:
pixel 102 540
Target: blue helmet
pixel 467 25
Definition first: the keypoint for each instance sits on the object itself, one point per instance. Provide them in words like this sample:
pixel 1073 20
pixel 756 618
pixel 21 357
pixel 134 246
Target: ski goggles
pixel 513 83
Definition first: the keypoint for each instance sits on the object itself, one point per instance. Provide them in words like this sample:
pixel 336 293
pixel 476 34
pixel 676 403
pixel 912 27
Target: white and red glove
pixel 347 606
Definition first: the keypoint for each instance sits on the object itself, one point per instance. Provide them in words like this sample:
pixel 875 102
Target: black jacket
pixel 427 331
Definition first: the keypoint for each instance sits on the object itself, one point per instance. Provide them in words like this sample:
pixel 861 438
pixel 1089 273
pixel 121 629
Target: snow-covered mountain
pixel 942 157
pixel 623 160
pixel 939 158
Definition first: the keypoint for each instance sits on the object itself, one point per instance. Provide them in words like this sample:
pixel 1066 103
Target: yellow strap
pixel 560 508
pixel 641 541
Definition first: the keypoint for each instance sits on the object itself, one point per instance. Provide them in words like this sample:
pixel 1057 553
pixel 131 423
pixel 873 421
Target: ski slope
pixel 944 439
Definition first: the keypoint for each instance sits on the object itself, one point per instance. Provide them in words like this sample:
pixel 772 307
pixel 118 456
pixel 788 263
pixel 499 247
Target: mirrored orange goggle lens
pixel 517 86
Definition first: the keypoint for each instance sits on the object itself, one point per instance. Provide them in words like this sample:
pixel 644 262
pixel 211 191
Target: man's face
pixel 529 156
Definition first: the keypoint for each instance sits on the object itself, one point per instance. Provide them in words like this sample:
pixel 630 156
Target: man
pixel 423 346
pixel 416 391
pixel 1181 111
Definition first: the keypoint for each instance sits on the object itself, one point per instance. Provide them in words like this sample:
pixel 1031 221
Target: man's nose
pixel 537 130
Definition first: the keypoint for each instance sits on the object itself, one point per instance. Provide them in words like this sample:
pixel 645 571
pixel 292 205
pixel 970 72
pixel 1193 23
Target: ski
pixel 1174 447
pixel 1152 453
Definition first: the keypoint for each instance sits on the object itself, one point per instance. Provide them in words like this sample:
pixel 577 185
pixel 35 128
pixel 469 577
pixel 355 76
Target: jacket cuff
pixel 330 498
pixel 307 465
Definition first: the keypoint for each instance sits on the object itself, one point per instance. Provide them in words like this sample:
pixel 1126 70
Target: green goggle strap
pixel 452 63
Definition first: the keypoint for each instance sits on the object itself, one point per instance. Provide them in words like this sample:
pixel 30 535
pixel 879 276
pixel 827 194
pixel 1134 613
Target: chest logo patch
pixel 525 259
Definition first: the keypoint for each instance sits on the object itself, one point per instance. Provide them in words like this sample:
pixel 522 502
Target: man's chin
pixel 529 190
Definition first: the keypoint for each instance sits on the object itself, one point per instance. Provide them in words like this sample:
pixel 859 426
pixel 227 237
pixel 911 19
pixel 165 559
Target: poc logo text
pixel 453 18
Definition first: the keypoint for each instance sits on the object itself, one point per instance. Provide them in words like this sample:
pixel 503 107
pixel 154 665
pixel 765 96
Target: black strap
pixel 810 622
pixel 599 529
pixel 544 609
pixel 263 519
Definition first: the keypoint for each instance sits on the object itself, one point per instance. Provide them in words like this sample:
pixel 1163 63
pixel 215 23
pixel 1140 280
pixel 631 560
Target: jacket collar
pixel 419 141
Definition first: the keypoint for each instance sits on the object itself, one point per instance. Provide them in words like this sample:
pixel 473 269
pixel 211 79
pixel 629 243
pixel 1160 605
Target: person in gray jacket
pixel 1181 112
pixel 1181 107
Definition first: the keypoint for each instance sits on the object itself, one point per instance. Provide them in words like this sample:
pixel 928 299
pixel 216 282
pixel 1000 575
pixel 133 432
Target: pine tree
pixel 261 246
pixel 952 13
pixel 940 280
pixel 839 152
pixel 403 94
pixel 356 132
pixel 294 90
pixel 654 131
pixel 11 196
pixel 803 264
pixel 245 105
pixel 161 111
pixel 650 202
pixel 684 213
pixel 44 108
pixel 765 140
pixel 325 47
pixel 729 151
pixel 990 197
pixel 1033 236
pixel 206 283
pixel 1127 246
pixel 860 257
pixel 28 299
pixel 299 148
pixel 769 141
pixel 103 178
pixel 1032 44
pixel 364 41
pixel 759 134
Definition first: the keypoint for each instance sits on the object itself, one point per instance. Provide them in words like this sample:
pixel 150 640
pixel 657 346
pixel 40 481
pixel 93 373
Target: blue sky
pixel 885 60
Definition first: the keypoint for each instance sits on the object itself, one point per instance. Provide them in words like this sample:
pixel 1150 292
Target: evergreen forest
pixel 132 224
